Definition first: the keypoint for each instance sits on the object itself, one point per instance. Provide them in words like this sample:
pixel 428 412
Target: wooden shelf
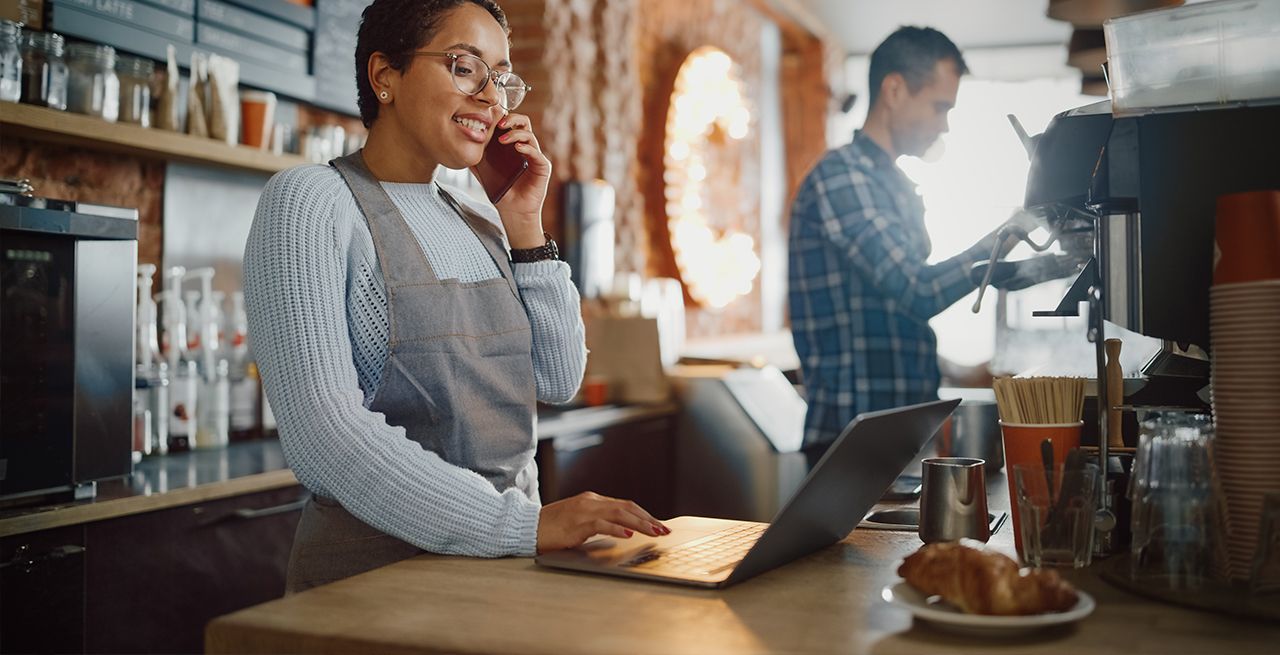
pixel 44 124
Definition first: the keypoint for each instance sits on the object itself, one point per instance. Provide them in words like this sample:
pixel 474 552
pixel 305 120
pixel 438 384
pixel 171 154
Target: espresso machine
pixel 1136 194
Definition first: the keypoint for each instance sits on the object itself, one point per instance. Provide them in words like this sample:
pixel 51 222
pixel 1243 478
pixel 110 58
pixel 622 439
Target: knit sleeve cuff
pixel 520 533
pixel 532 273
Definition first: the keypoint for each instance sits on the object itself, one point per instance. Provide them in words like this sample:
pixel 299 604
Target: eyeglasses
pixel 471 75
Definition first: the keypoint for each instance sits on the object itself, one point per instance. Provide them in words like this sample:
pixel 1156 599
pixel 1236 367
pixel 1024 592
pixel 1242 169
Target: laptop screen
pixel 846 483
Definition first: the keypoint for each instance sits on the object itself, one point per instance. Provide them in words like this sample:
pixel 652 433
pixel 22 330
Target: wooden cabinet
pixel 42 592
pixel 146 583
pixel 633 460
pixel 154 580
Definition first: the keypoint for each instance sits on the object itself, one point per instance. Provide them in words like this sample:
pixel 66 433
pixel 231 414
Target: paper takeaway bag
pixel 625 352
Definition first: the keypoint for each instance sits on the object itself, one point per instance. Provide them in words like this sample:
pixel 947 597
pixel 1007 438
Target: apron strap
pixel 490 236
pixel 393 241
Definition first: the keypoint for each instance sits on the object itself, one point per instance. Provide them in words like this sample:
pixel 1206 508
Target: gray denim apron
pixel 458 379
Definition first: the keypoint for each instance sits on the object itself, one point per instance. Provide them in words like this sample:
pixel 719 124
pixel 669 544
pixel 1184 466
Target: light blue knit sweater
pixel 318 328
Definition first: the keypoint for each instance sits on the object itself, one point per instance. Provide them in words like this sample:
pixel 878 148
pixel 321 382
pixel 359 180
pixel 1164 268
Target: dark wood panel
pixel 154 580
pixel 42 592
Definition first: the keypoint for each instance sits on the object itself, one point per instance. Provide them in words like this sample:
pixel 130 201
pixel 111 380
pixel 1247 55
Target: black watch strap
pixel 548 250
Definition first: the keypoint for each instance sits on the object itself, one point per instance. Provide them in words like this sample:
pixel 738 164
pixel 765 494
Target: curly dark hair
pixel 913 53
pixel 396 28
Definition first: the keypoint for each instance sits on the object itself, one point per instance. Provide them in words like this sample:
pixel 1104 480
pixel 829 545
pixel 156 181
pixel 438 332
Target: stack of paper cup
pixel 1244 328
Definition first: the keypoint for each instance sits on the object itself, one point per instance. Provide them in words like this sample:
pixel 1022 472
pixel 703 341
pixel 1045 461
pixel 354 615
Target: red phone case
pixel 501 166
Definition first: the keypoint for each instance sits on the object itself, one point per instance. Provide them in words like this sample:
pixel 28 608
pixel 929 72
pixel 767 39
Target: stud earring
pixel 384 95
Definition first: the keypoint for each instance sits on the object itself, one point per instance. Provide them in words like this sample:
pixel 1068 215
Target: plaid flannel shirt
pixel 861 294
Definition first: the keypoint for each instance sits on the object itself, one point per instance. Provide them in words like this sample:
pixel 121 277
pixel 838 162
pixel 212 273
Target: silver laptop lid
pixel 845 484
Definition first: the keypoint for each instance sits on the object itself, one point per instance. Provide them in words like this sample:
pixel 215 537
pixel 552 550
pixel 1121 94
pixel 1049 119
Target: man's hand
pixel 1020 224
pixel 1025 221
pixel 959 375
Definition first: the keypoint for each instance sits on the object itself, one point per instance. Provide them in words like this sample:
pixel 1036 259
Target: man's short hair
pixel 913 53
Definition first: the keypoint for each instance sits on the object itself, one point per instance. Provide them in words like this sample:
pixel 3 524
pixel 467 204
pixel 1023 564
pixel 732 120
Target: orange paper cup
pixel 257 116
pixel 1247 237
pixel 1022 446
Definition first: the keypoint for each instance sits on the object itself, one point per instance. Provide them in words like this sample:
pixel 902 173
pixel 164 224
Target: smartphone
pixel 501 166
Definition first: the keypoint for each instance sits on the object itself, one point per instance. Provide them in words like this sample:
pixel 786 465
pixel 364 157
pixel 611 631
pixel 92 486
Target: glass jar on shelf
pixel 44 71
pixel 10 61
pixel 135 89
pixel 93 87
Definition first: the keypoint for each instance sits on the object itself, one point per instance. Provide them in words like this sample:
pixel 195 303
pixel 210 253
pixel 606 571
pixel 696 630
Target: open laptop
pixel 705 552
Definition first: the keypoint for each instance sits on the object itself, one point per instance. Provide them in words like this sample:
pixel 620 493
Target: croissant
pixel 980 581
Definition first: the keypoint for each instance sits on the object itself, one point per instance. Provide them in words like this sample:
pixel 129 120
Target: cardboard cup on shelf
pixel 257 117
pixel 1247 237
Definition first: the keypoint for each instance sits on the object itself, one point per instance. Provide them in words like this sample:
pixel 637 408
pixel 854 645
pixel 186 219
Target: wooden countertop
pixel 828 602
pixel 242 468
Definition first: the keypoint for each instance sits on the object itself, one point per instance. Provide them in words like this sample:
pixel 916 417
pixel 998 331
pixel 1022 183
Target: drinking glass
pixel 1056 509
pixel 1176 517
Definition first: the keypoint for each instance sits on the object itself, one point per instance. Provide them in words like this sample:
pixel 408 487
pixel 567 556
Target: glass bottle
pixel 44 72
pixel 135 89
pixel 10 61
pixel 93 88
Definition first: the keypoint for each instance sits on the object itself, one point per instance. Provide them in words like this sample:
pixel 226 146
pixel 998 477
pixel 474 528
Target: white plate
pixel 948 618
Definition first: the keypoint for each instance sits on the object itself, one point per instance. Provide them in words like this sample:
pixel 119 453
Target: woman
pixel 402 346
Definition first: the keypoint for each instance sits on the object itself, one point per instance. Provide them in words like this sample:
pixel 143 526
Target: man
pixel 861 294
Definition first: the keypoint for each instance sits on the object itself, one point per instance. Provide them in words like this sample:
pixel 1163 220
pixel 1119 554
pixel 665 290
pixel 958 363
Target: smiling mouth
pixel 478 129
pixel 471 123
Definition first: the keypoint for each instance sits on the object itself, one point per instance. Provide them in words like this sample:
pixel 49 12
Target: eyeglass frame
pixel 490 77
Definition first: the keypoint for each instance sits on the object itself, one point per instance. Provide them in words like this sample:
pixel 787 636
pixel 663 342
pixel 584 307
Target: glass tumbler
pixel 1177 517
pixel 1056 509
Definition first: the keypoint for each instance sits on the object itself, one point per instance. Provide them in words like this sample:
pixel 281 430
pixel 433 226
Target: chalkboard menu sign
pixel 303 53
pixel 333 53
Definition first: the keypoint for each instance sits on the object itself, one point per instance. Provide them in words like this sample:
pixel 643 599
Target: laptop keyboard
pixel 704 555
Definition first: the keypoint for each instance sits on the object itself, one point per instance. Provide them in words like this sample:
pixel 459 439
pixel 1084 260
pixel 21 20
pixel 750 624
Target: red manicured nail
pixel 628 532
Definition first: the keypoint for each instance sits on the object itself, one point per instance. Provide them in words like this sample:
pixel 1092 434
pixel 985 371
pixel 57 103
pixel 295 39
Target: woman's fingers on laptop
pixel 623 513
pixel 658 527
pixel 601 526
pixel 569 522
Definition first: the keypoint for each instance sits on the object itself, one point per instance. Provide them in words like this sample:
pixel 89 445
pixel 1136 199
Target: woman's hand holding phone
pixel 521 207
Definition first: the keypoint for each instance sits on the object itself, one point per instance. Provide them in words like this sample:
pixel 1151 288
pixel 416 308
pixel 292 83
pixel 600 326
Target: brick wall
pixel 603 72
pixel 73 173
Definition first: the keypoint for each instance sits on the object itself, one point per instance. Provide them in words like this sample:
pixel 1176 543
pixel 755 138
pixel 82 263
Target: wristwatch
pixel 548 250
